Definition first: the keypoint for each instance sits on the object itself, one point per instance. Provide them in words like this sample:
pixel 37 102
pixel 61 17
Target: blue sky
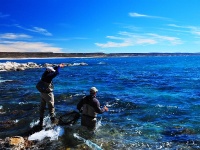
pixel 108 26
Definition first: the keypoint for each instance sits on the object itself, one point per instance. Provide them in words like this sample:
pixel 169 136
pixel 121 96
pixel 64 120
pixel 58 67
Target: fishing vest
pixel 88 110
pixel 44 87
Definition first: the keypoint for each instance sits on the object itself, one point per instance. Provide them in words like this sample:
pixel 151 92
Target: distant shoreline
pixel 36 55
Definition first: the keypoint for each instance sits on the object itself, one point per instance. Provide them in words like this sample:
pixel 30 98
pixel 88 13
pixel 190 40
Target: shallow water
pixel 153 101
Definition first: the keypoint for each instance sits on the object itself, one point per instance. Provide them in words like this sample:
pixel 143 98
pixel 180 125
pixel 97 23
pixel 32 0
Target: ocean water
pixel 154 102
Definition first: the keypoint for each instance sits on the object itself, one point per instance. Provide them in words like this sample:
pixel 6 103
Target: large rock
pixel 16 142
pixel 13 66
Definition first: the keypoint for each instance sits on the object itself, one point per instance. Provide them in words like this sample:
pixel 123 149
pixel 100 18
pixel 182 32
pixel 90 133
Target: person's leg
pixel 50 104
pixel 51 108
pixel 42 109
pixel 88 122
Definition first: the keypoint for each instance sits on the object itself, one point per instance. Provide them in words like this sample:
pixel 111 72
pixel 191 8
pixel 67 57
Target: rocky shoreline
pixel 13 66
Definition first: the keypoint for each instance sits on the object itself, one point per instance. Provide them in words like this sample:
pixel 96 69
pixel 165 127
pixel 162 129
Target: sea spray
pixel 53 134
pixel 49 131
pixel 88 142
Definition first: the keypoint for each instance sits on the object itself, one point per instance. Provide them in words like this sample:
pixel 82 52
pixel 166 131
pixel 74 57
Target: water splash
pixel 53 132
pixel 88 142
pixel 1 81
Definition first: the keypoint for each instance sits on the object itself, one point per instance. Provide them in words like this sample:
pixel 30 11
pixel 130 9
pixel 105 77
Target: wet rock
pixel 16 140
pixel 47 65
pixel 13 66
pixel 20 69
pixel 16 143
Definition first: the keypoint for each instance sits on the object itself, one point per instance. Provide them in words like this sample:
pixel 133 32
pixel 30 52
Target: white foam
pixel 53 134
pixel 46 122
pixel 1 81
pixel 98 125
pixel 49 131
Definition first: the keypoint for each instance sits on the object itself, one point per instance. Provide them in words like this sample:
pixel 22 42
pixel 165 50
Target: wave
pixel 1 81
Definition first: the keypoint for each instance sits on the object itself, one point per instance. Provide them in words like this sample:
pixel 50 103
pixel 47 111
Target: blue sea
pixel 154 102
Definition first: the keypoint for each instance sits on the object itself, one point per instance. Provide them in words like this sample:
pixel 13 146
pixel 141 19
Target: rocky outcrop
pixel 13 66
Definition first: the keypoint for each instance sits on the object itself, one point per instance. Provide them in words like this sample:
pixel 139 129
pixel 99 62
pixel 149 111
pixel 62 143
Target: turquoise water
pixel 153 101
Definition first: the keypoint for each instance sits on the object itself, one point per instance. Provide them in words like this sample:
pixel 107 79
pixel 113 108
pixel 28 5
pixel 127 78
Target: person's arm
pixel 97 107
pixel 80 104
pixel 57 68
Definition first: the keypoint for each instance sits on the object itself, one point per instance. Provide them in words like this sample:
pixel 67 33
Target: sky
pixel 107 26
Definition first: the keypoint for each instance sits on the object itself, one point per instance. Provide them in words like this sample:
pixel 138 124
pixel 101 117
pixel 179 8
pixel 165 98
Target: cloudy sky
pixel 109 26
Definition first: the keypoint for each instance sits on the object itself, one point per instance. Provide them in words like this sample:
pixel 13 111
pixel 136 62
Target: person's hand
pixel 105 108
pixel 61 65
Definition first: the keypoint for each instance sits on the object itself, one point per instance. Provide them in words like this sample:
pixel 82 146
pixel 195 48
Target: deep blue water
pixel 154 102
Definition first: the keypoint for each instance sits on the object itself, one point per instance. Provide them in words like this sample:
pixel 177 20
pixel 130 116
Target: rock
pixel 13 66
pixel 16 142
pixel 20 69
pixel 83 64
pixel 47 65
pixel 32 65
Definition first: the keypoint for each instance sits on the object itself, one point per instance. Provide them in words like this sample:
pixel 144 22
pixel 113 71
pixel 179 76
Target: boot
pixel 41 122
pixel 54 120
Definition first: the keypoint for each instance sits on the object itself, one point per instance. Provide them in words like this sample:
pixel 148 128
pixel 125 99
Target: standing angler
pixel 45 86
pixel 90 107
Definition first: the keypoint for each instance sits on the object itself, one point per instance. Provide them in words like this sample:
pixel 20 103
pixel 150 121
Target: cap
pixel 93 89
pixel 50 69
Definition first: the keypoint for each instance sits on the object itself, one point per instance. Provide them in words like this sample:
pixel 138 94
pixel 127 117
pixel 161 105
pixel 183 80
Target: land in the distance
pixel 50 54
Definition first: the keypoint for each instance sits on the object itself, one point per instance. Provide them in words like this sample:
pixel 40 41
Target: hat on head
pixel 50 69
pixel 93 89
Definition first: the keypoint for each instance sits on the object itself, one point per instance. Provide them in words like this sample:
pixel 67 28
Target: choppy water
pixel 153 101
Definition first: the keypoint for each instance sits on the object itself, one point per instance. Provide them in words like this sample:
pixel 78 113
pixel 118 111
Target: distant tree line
pixel 51 54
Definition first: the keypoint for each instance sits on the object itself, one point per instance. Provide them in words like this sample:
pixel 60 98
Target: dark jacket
pixel 45 85
pixel 90 106
pixel 48 76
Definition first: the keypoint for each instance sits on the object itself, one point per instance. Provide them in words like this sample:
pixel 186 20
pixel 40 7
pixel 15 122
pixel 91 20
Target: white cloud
pixel 7 46
pixel 172 40
pixel 13 36
pixel 36 29
pixel 195 30
pixel 41 31
pixel 138 15
pixel 126 39
pixel 146 16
